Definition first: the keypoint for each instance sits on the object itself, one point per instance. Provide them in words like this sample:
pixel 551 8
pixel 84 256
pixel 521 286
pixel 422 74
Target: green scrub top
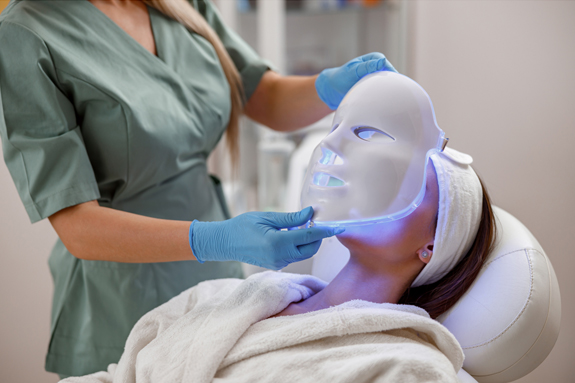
pixel 87 113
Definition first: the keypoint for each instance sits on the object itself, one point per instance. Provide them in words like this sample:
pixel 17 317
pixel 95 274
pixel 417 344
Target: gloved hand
pixel 256 238
pixel 332 84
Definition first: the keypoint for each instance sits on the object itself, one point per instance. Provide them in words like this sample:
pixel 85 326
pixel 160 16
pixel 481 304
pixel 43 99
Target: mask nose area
pixel 327 160
pixel 328 157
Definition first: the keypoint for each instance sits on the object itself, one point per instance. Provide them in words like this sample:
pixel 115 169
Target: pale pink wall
pixel 25 289
pixel 502 79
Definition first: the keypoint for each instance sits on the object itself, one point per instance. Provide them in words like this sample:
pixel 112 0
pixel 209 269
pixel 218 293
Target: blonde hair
pixel 184 13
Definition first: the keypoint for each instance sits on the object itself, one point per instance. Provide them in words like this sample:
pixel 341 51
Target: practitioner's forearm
pixel 286 103
pixel 92 232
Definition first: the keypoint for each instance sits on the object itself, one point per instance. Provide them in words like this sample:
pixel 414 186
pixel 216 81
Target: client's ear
pixel 426 252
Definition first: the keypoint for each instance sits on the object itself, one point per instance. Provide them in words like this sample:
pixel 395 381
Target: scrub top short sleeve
pixel 43 145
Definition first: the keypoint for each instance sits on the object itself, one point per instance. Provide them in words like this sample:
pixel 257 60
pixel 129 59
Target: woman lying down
pixel 410 261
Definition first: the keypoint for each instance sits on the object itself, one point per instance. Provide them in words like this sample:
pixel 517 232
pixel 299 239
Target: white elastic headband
pixel 460 205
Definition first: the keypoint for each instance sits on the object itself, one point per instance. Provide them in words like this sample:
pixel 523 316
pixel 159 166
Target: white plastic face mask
pixel 372 167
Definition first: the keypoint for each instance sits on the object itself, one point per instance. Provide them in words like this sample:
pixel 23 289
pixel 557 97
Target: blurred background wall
pixel 25 287
pixel 500 74
pixel 501 78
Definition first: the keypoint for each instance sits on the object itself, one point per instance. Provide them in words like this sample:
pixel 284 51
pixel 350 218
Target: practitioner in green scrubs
pixel 106 133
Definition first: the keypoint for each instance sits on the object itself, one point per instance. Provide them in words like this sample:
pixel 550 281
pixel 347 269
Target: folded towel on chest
pixel 221 331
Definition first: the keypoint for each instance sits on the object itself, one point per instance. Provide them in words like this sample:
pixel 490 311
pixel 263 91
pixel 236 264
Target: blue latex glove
pixel 332 84
pixel 256 238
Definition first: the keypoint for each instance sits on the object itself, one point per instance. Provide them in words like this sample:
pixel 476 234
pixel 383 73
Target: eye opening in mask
pixel 334 128
pixel 371 134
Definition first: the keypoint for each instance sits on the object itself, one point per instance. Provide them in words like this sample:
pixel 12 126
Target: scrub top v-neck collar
pixel 130 40
pixel 156 63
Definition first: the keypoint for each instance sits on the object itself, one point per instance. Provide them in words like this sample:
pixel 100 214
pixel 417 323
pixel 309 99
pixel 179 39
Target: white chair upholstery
pixel 508 321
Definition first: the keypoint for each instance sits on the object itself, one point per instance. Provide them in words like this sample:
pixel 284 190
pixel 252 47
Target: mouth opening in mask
pixel 324 179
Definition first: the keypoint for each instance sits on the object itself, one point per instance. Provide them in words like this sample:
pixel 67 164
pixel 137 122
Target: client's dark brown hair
pixel 438 297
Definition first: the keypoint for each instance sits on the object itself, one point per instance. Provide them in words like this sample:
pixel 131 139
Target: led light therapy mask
pixel 372 166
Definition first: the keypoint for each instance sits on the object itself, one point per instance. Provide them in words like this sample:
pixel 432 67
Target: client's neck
pixel 356 281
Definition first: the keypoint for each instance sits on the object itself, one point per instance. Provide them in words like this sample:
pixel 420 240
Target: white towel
pixel 218 332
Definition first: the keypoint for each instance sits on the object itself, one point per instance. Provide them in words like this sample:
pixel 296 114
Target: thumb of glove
pixel 287 220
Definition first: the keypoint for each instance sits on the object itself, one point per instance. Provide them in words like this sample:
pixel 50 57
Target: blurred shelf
pixel 319 7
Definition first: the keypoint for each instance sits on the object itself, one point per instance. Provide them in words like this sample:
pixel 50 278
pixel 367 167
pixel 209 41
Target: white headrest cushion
pixel 508 321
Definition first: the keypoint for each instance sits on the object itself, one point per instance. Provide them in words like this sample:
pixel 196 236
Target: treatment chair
pixel 508 321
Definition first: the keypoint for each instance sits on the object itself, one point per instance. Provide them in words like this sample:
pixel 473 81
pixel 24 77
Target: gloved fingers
pixel 386 65
pixel 288 220
pixel 365 68
pixel 312 234
pixel 373 64
pixel 275 267
pixel 372 56
pixel 308 250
